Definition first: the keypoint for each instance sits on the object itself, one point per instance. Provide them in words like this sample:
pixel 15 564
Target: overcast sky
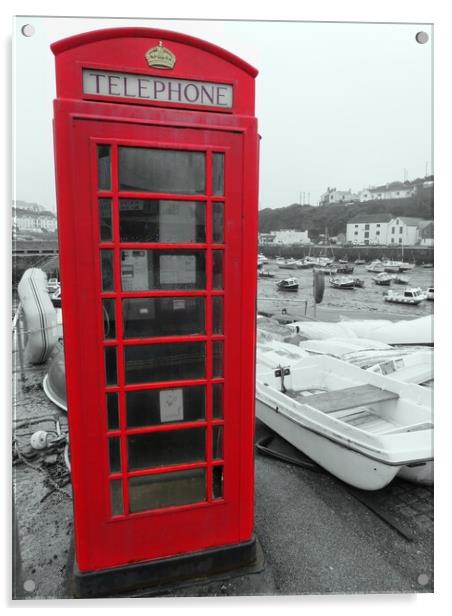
pixel 343 105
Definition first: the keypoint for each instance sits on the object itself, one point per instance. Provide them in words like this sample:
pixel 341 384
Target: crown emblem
pixel 160 57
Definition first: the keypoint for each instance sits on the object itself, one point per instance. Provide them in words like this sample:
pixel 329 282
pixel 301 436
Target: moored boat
pixel 392 267
pixel 382 279
pixel 409 296
pixel 266 274
pixel 288 284
pixel 288 264
pixel 364 428
pixel 429 294
pixel 345 269
pixel 399 279
pixel 358 282
pixel 360 262
pixel 342 282
pixel 376 266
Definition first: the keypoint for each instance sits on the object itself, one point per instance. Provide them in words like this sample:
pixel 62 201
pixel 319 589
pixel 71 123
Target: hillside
pixel 335 217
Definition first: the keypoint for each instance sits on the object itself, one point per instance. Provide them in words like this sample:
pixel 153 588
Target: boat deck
pixel 350 406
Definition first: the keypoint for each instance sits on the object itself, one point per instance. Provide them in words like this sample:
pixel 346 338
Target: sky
pixel 344 105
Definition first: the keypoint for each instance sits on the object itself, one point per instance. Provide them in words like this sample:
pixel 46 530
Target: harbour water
pixel 359 303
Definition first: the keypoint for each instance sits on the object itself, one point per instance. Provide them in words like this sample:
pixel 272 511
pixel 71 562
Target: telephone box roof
pixel 110 33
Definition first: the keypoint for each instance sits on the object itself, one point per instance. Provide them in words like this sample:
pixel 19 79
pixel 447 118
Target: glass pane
pixel 217 359
pixel 166 448
pixel 162 171
pixel 217 401
pixel 167 490
pixel 217 443
pixel 146 270
pixel 103 167
pixel 163 316
pixel 105 225
pixel 169 222
pixel 107 270
pixel 153 407
pixel 111 372
pixel 112 411
pixel 108 306
pixel 218 223
pixel 217 312
pixel 218 174
pixel 165 362
pixel 115 455
pixel 217 482
pixel 117 507
pixel 217 282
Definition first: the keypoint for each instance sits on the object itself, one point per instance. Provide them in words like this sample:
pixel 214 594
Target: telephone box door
pixel 153 333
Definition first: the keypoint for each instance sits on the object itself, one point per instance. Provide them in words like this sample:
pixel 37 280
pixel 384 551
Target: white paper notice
pixel 171 405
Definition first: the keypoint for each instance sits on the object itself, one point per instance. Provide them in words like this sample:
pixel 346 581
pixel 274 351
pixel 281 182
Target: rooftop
pixel 363 218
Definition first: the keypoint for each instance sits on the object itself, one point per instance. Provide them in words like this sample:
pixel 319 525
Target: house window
pixel 367 227
pixel 378 224
pixel 393 230
pixel 356 226
pixel 397 193
pixel 366 234
pixel 377 233
pixel 392 240
pixel 400 229
pixel 356 232
pixel 400 240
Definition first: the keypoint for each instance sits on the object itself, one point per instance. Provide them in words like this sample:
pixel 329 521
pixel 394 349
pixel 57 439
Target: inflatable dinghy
pixel 41 327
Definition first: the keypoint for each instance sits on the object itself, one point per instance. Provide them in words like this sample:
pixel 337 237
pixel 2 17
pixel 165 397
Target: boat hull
pixel 346 464
pixel 420 473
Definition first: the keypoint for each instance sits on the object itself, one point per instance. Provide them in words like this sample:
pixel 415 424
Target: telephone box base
pixel 151 574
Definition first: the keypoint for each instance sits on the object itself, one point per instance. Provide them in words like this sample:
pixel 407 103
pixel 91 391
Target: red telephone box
pixel 156 151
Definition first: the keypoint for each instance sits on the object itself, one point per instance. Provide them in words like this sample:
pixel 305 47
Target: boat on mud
pixel 288 264
pixel 288 284
pixel 359 283
pixel 342 282
pixel 392 267
pixel 382 279
pixel 265 274
pixel 409 296
pixel 429 294
pixel 363 428
pixel 345 269
pixel 399 279
pixel 376 266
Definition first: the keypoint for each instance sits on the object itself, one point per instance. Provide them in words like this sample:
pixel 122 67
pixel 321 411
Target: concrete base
pixel 155 574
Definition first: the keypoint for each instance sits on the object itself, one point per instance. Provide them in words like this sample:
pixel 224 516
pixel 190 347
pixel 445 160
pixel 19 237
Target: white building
pixel 368 229
pixel 285 237
pixel 33 220
pixel 385 229
pixel 333 196
pixel 404 231
pixel 394 190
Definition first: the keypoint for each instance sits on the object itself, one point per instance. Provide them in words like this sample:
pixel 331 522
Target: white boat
pixel 288 284
pixel 407 365
pixel 261 260
pixel 408 331
pixel 392 267
pixel 411 297
pixel 375 267
pixel 429 294
pixel 288 264
pixel 41 323
pixel 382 279
pixel 342 282
pixel 363 428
